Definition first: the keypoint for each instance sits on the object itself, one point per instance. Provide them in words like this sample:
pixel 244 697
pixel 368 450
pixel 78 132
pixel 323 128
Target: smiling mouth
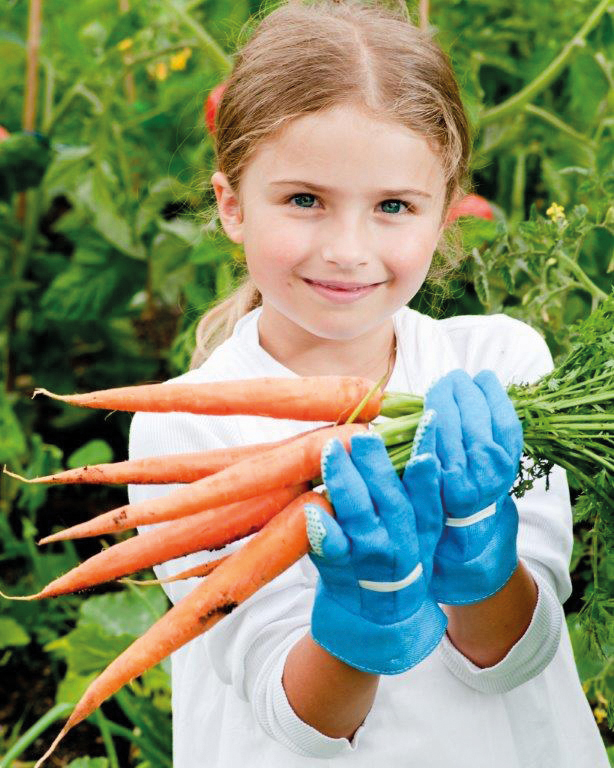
pixel 336 285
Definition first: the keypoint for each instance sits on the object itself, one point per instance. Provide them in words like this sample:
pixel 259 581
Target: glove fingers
pixel 348 492
pixel 371 459
pixel 422 480
pixel 475 417
pixel 449 436
pixel 493 472
pixel 425 437
pixel 506 426
pixel 325 535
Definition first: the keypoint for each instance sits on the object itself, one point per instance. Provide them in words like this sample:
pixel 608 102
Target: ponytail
pixel 216 325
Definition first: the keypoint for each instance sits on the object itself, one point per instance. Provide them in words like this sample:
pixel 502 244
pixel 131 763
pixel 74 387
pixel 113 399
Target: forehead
pixel 345 147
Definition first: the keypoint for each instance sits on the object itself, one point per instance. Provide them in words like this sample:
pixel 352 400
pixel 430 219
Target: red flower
pixel 471 205
pixel 211 104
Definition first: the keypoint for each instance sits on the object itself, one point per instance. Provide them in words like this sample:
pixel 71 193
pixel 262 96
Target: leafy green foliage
pixel 12 633
pixel 89 762
pixel 24 158
pixel 106 626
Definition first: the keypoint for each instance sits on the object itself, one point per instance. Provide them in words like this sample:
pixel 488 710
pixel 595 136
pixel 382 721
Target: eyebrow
pixel 319 188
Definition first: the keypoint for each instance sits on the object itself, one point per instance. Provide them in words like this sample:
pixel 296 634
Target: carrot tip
pixel 16 476
pixel 19 597
pixel 53 537
pixel 43 391
pixel 51 749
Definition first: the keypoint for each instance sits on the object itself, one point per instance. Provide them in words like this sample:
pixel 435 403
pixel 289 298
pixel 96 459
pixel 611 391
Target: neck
pixel 371 355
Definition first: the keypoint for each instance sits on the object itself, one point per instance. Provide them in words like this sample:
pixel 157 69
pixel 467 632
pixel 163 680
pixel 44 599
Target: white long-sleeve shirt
pixel 229 705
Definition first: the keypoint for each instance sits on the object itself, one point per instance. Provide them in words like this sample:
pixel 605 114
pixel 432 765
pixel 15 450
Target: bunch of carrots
pixel 567 419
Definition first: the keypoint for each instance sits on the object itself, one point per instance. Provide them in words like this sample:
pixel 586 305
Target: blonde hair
pixel 306 57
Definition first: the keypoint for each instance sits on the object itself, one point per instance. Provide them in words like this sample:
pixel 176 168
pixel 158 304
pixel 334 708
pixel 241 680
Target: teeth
pixel 338 288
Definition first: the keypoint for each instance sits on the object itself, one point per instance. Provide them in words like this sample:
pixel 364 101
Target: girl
pixel 341 144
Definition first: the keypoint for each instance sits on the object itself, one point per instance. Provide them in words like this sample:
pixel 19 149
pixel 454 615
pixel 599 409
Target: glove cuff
pixel 382 649
pixel 457 582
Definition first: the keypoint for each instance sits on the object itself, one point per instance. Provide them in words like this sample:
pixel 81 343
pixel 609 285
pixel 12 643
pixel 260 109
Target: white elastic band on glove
pixel 392 586
pixel 460 522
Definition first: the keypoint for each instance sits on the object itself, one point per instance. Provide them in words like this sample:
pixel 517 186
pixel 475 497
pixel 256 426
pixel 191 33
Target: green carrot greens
pixel 567 415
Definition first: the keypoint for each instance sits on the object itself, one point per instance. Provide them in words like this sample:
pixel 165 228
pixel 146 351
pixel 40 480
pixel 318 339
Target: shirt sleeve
pixel 247 650
pixel 545 533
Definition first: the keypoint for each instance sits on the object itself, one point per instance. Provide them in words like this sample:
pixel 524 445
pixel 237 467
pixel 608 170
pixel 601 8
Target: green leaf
pixel 128 24
pixel 89 762
pixel 164 191
pixel 95 286
pixel 66 169
pixel 224 282
pixel 94 452
pixel 12 633
pixel 45 459
pixel 24 158
pixel 97 193
pixel 13 442
pixel 121 613
pixel 588 85
pixel 186 230
pixel 88 648
pixel 73 686
pixel 209 251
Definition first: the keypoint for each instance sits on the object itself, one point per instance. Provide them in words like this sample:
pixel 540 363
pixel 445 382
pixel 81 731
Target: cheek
pixel 273 246
pixel 414 257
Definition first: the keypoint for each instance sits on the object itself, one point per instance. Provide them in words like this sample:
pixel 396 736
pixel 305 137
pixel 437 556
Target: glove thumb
pixel 325 535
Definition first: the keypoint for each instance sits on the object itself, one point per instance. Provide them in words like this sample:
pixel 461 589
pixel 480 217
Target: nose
pixel 345 242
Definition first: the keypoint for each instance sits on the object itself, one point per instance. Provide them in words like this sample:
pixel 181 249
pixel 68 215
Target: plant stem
pixel 599 397
pixel 518 186
pixel 211 47
pixel 594 558
pixel 55 713
pixel 103 725
pixel 34 34
pixel 525 95
pixel 150 752
pixel 580 275
pixel 557 123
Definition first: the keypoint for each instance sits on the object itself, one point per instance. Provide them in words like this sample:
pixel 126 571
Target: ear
pixel 229 207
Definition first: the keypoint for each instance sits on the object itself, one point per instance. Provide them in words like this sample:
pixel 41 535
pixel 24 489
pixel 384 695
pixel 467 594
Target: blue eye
pixel 394 202
pixel 303 196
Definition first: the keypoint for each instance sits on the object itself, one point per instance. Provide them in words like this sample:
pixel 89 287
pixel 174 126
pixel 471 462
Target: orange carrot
pixel 275 548
pixel 210 529
pixel 309 398
pixel 204 569
pixel 295 462
pixel 174 468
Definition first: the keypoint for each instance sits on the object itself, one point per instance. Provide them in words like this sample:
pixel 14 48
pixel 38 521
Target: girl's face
pixel 339 216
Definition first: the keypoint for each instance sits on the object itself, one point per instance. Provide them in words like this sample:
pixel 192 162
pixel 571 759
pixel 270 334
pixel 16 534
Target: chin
pixel 338 329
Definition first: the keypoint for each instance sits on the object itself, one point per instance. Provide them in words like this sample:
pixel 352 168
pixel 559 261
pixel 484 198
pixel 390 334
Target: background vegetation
pixel 105 268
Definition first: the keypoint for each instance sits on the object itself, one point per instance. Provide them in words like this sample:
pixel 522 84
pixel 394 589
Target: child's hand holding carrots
pixel 478 439
pixel 372 608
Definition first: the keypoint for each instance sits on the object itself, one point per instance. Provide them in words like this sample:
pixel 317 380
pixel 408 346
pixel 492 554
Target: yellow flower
pixel 600 714
pixel 556 212
pixel 161 70
pixel 124 45
pixel 179 60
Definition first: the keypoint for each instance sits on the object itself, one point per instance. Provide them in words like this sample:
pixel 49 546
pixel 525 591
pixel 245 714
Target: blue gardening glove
pixel 372 609
pixel 478 440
